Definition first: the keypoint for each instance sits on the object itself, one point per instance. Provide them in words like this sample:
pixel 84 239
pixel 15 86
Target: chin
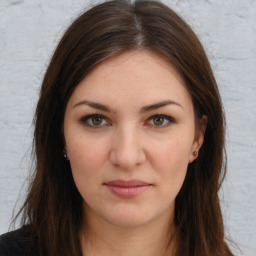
pixel 129 217
pixel 128 221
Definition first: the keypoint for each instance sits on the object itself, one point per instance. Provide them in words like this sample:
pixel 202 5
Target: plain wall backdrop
pixel 29 32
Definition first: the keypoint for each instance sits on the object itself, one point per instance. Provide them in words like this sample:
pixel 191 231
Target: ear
pixel 198 139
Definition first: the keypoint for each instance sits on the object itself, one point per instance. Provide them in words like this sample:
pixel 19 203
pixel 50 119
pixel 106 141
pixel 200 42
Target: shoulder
pixel 18 243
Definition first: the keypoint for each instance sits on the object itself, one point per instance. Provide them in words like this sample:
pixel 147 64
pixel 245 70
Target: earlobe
pixel 195 153
pixel 199 139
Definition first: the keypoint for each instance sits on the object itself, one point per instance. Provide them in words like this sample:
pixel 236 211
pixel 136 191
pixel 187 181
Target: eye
pixel 94 121
pixel 160 120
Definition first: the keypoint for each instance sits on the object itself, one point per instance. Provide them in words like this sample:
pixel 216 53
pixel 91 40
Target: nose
pixel 126 149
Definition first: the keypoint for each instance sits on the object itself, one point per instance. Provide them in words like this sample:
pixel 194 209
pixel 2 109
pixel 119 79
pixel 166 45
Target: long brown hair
pixel 53 205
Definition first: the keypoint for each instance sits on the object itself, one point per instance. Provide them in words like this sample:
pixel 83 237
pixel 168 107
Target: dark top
pixel 18 243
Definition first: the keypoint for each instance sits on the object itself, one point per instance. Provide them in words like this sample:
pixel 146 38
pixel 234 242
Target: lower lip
pixel 128 192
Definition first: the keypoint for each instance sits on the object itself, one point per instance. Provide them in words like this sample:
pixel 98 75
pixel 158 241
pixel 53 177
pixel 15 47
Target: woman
pixel 129 141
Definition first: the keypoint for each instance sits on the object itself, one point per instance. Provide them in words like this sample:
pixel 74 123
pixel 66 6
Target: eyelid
pixel 167 117
pixel 84 120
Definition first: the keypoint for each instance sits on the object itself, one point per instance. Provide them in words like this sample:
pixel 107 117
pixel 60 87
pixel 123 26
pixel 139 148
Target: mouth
pixel 127 189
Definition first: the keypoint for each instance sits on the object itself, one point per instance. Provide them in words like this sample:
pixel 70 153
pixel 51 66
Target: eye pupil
pixel 159 120
pixel 97 120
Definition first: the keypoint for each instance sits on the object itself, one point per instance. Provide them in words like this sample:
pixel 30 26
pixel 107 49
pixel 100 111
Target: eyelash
pixel 86 119
pixel 169 120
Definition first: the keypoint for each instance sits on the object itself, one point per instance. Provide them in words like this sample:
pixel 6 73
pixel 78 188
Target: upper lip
pixel 127 183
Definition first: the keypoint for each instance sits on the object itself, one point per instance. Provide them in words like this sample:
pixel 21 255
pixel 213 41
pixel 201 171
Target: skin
pixel 130 142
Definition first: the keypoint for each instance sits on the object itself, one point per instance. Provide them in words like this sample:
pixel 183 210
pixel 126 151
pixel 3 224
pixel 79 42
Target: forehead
pixel 138 76
pixel 137 64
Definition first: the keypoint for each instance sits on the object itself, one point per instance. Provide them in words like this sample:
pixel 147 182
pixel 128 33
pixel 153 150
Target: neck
pixel 102 238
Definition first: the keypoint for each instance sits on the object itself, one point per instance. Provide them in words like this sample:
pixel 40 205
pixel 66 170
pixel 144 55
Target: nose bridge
pixel 127 150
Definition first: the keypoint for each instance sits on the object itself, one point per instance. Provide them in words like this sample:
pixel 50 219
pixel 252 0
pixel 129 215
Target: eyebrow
pixel 94 105
pixel 144 109
pixel 159 105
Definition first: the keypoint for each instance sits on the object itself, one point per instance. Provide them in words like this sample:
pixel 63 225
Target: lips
pixel 127 184
pixel 127 189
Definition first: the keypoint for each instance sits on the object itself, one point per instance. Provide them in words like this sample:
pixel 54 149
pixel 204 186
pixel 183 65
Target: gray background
pixel 29 32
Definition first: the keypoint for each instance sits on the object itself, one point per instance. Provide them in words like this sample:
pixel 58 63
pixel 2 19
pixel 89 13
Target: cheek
pixel 173 151
pixel 171 162
pixel 86 157
pixel 87 161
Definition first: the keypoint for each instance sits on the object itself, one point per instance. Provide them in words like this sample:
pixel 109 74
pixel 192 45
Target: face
pixel 130 134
